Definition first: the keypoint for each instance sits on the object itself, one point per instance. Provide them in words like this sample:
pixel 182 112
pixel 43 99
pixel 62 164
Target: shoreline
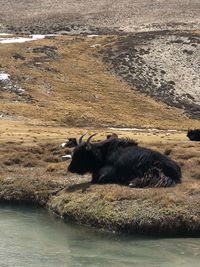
pixel 85 204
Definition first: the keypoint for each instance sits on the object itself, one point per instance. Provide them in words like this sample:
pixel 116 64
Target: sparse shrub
pixel 36 150
pixel 29 164
pixel 13 161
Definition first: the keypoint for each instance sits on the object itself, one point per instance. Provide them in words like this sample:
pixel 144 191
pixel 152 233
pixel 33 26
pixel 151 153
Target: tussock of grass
pixel 56 167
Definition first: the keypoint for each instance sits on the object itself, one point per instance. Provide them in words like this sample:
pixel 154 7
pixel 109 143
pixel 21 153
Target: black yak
pixel 71 142
pixel 118 160
pixel 194 135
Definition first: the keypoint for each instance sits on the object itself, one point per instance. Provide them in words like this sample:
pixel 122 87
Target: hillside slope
pixel 163 64
pixel 63 81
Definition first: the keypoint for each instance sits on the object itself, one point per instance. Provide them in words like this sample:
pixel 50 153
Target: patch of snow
pixel 11 40
pixel 4 77
pixel 95 45
pixel 34 37
pixel 3 33
pixel 141 129
pixel 9 86
pixel 20 90
pixel 92 35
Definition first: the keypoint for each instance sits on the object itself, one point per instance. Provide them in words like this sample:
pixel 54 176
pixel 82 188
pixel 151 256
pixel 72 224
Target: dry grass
pixel 73 88
pixel 36 174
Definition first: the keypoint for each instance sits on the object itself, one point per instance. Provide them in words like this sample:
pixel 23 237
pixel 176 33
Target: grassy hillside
pixel 66 83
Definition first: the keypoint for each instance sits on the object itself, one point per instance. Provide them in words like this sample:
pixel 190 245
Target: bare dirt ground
pixel 82 16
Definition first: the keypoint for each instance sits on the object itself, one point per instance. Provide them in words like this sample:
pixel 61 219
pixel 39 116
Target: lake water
pixel 33 237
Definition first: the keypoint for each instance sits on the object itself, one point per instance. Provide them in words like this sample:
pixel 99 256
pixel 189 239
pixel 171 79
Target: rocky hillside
pixel 164 65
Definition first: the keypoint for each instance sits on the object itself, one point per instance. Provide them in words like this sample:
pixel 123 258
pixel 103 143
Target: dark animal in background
pixel 118 160
pixel 71 142
pixel 194 135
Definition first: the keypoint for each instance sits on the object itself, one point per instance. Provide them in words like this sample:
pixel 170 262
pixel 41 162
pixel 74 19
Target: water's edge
pixel 81 204
pixel 53 243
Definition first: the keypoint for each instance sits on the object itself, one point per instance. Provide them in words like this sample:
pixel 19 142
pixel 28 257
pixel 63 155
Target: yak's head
pixel 84 157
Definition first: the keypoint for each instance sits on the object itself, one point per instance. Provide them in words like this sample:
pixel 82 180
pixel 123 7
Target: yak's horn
pixel 90 137
pixel 81 138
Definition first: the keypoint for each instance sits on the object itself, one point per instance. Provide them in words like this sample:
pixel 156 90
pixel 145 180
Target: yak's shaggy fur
pixel 123 161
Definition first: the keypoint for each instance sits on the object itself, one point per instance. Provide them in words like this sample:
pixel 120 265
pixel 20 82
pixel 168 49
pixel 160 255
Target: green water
pixel 32 237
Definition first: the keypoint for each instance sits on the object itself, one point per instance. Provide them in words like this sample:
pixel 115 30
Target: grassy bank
pixel 35 174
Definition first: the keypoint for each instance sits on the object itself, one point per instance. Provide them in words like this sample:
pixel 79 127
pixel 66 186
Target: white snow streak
pixel 4 77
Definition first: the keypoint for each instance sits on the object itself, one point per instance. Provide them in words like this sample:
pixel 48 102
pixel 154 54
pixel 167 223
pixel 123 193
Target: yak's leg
pixel 94 178
pixel 106 175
